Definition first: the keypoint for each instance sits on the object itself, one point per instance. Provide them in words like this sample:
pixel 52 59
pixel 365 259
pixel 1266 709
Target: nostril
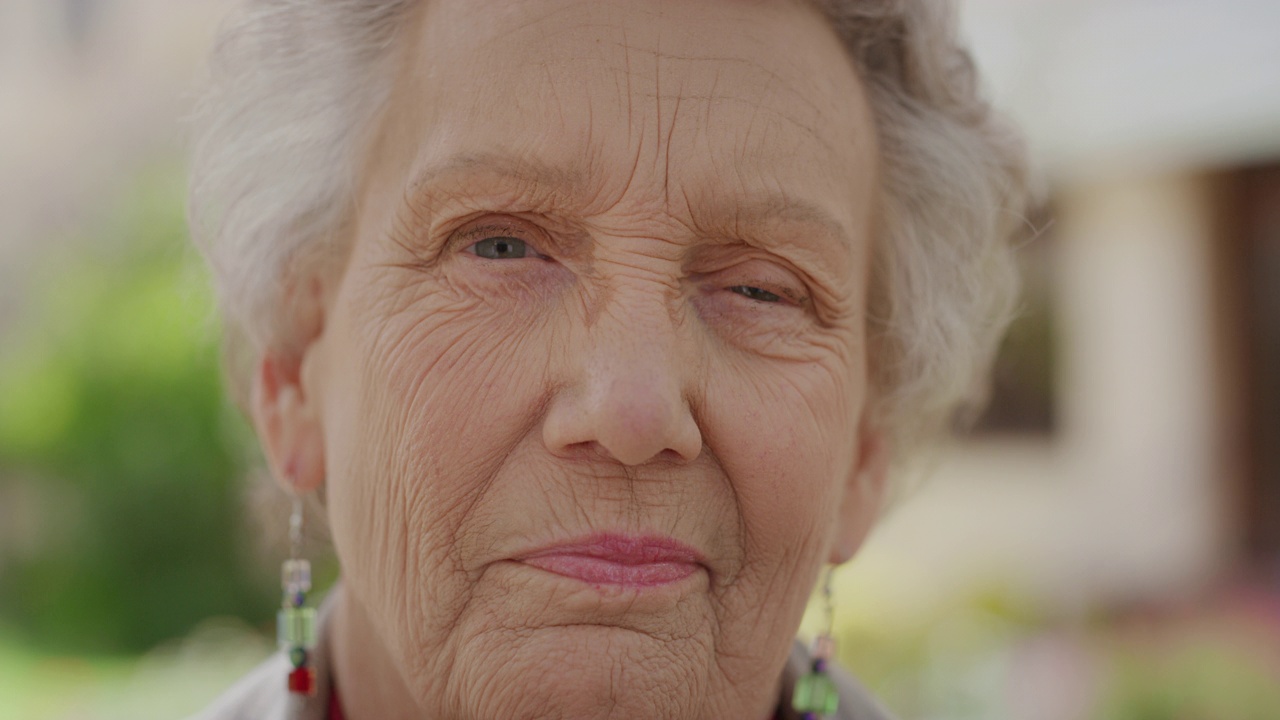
pixel 675 457
pixel 589 451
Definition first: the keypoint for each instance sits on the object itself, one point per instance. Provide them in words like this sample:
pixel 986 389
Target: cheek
pixel 433 391
pixel 782 432
pixel 785 431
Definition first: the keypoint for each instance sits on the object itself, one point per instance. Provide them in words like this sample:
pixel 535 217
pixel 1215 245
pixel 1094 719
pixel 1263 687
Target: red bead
pixel 302 681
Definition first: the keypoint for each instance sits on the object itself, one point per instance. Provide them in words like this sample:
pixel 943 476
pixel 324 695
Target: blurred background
pixel 1105 544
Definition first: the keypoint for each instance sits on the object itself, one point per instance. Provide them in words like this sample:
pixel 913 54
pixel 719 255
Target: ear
pixel 287 419
pixel 864 492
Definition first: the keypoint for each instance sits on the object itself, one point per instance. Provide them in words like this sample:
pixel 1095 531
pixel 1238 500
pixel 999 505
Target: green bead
pixel 816 693
pixel 297 657
pixel 296 627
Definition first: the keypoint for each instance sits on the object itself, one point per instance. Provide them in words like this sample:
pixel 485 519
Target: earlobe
pixel 287 423
pixel 864 494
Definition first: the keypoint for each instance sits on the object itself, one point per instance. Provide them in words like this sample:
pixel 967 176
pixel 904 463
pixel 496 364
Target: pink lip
pixel 619 560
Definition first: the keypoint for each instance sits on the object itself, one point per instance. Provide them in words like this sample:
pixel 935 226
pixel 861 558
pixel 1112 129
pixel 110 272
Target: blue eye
pixel 755 293
pixel 501 248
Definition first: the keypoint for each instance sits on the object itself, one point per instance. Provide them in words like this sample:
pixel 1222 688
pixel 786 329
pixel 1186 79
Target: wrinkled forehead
pixel 638 97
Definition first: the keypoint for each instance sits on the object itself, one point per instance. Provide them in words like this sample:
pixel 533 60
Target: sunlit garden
pixel 122 490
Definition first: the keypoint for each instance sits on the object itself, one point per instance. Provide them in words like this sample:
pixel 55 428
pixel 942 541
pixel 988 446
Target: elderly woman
pixel 594 329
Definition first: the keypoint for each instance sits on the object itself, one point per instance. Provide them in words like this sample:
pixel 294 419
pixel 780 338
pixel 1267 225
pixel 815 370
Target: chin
pixel 584 672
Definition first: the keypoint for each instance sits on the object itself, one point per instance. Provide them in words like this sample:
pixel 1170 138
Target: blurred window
pixel 1253 241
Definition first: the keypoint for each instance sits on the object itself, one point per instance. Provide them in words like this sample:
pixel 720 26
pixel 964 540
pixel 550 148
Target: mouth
pixel 619 560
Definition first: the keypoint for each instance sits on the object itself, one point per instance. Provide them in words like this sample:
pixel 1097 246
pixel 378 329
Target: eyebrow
pixel 530 172
pixel 545 185
pixel 771 208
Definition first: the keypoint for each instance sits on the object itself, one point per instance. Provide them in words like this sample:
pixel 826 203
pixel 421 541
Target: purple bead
pixel 819 665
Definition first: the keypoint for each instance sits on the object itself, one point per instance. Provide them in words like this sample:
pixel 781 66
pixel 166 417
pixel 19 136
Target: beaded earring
pixel 816 696
pixel 296 622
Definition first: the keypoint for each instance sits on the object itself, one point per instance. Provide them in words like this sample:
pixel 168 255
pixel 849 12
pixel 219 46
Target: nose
pixel 627 392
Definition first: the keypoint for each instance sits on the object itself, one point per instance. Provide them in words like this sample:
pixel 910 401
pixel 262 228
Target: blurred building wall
pixel 1135 109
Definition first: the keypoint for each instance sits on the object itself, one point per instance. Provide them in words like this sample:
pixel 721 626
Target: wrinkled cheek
pixel 441 399
pixel 784 438
pixel 792 425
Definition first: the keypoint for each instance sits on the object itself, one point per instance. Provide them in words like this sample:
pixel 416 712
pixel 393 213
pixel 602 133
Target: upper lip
pixel 622 549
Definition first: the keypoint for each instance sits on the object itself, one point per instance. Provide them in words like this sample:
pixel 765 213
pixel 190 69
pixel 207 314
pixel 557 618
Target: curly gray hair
pixel 294 93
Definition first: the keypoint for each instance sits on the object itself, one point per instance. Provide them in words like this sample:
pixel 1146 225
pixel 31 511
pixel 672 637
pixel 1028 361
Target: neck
pixel 368 679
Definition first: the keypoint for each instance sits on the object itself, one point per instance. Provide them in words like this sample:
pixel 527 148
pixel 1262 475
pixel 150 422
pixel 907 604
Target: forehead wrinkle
pixel 712 101
pixel 770 80
pixel 802 114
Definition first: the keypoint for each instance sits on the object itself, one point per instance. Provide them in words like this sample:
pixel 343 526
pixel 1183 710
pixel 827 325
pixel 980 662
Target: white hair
pixel 296 86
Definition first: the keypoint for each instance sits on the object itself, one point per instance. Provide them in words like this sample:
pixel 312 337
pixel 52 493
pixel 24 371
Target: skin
pixel 681 352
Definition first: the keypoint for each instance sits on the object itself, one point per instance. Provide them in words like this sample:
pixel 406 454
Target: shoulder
pixel 263 694
pixel 856 702
pixel 260 695
pixel 860 703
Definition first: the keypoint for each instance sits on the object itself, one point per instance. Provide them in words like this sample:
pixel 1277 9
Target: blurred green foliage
pixel 1215 674
pixel 995 654
pixel 120 460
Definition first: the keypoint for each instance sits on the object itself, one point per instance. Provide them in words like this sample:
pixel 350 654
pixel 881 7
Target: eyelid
pixel 480 232
pixel 785 294
pixel 468 235
pixel 777 279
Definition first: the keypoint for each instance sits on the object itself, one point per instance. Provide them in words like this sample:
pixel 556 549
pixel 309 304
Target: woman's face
pixel 589 395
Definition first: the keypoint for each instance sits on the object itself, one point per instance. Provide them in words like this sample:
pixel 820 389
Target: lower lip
pixel 603 571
